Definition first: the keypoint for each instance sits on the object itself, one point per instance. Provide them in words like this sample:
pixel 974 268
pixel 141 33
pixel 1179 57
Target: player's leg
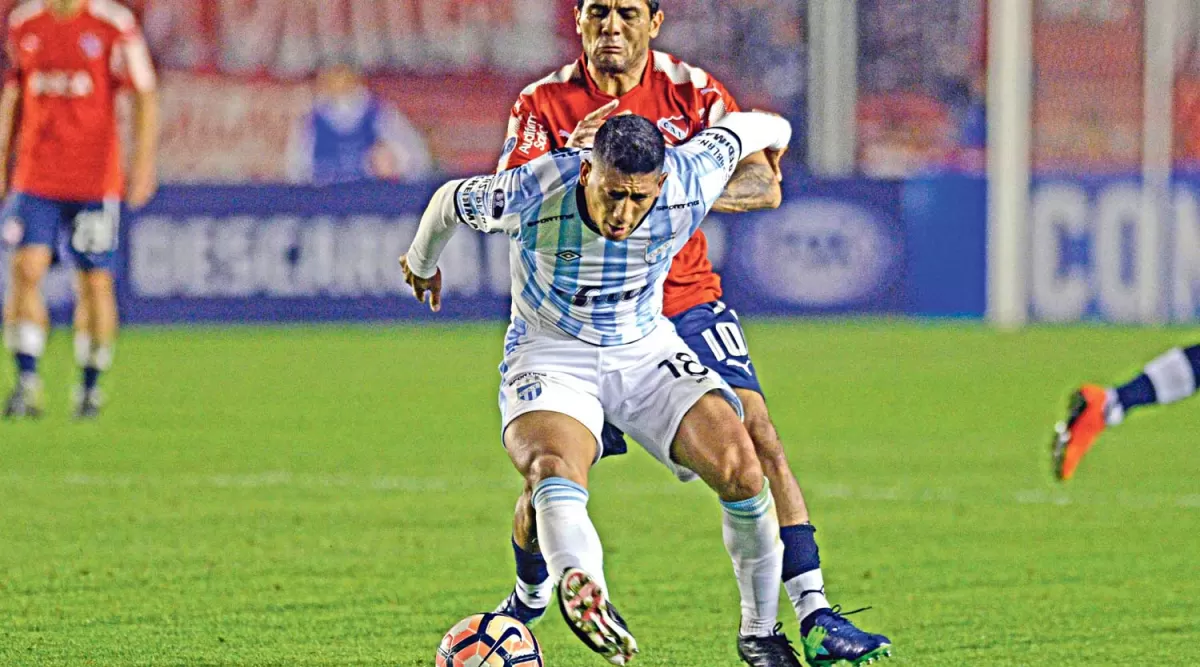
pixel 96 322
pixel 1171 377
pixel 93 246
pixel 26 323
pixel 534 587
pixel 828 636
pixel 33 224
pixel 553 453
pixel 712 442
pixel 552 421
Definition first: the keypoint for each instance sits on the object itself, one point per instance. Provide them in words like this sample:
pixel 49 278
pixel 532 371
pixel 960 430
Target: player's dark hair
pixel 630 144
pixel 652 3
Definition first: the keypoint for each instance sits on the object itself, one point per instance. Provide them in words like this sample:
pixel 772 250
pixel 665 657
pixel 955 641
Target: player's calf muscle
pixel 712 442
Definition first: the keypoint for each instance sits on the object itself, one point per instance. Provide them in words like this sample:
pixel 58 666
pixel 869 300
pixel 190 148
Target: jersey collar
pixel 595 90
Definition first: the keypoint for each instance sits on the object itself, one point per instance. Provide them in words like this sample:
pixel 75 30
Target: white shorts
pixel 643 388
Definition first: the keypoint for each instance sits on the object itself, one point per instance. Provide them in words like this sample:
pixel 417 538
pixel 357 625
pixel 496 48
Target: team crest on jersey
pixel 30 43
pixel 657 252
pixel 91 45
pixel 675 127
pixel 12 231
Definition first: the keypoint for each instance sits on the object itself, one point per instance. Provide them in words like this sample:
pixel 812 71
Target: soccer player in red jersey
pixel 68 60
pixel 618 73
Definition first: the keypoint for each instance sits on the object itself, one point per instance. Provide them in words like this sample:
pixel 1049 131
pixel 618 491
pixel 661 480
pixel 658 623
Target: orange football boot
pixel 1074 437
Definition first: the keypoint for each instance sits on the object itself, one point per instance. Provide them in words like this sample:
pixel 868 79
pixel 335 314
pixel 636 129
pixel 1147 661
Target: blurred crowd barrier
pixel 851 246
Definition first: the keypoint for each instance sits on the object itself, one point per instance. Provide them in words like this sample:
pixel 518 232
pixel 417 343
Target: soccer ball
pixel 489 640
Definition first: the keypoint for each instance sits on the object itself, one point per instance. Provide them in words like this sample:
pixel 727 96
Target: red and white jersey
pixel 69 71
pixel 680 99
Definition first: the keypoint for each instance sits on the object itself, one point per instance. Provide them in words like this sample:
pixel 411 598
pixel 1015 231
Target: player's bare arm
pixel 143 173
pixel 754 186
pixel 9 100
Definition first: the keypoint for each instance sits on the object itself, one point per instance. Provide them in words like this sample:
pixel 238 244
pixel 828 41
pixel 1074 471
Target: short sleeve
pixel 527 138
pixel 716 101
pixel 12 62
pixel 131 61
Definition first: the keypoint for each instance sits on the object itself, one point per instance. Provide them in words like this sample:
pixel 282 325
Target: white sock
pixel 27 338
pixel 751 531
pixel 1172 377
pixel 565 532
pixel 90 355
pixel 1114 412
pixel 535 595
pixel 807 593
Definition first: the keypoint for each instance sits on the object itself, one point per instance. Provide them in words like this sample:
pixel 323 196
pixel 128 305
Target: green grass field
pixel 338 496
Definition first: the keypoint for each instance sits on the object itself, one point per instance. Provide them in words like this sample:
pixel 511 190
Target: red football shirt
pixel 69 71
pixel 679 98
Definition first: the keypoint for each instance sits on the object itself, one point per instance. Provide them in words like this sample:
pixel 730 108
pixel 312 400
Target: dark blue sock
pixel 26 364
pixel 1193 355
pixel 90 377
pixel 1136 393
pixel 800 553
pixel 531 567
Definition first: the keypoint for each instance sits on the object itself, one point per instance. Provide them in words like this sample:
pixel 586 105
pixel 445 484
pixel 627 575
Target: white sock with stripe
pixel 565 532
pixel 751 531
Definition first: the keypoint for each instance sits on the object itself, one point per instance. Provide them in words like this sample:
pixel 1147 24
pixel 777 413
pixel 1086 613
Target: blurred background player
pixel 1171 377
pixel 68 59
pixel 618 73
pixel 350 135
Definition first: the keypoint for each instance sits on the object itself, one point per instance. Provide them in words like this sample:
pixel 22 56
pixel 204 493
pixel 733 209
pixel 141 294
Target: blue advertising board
pixel 288 254
pixel 1101 249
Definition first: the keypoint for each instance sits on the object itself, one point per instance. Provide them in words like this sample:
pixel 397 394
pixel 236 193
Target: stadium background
pixel 284 463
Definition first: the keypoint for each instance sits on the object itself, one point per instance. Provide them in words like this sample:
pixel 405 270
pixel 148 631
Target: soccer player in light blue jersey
pixel 593 234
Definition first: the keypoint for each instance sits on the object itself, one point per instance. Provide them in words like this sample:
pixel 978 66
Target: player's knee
pixel 95 284
pixel 739 474
pixel 546 465
pixel 27 272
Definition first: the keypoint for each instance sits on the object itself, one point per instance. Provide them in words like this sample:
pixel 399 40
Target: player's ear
pixel 656 22
pixel 585 171
pixel 662 181
pixel 578 27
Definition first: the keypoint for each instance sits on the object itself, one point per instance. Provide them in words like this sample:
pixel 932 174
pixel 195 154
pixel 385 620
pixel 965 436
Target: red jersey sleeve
pixel 131 63
pixel 528 135
pixel 12 64
pixel 716 100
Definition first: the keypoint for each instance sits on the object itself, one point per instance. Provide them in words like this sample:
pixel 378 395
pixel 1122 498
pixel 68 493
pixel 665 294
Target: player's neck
pixel 617 85
pixel 65 9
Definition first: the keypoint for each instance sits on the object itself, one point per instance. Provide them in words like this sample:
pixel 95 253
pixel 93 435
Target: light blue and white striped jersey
pixel 565 274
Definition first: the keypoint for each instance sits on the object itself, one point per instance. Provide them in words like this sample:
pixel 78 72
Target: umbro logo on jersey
pixel 30 43
pixel 568 256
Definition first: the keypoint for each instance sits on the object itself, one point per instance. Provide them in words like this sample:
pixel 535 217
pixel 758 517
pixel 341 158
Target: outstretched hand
pixel 421 285
pixel 585 132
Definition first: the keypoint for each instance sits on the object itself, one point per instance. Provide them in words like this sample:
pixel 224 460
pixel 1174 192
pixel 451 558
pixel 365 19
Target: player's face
pixel 618 202
pixel 616 33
